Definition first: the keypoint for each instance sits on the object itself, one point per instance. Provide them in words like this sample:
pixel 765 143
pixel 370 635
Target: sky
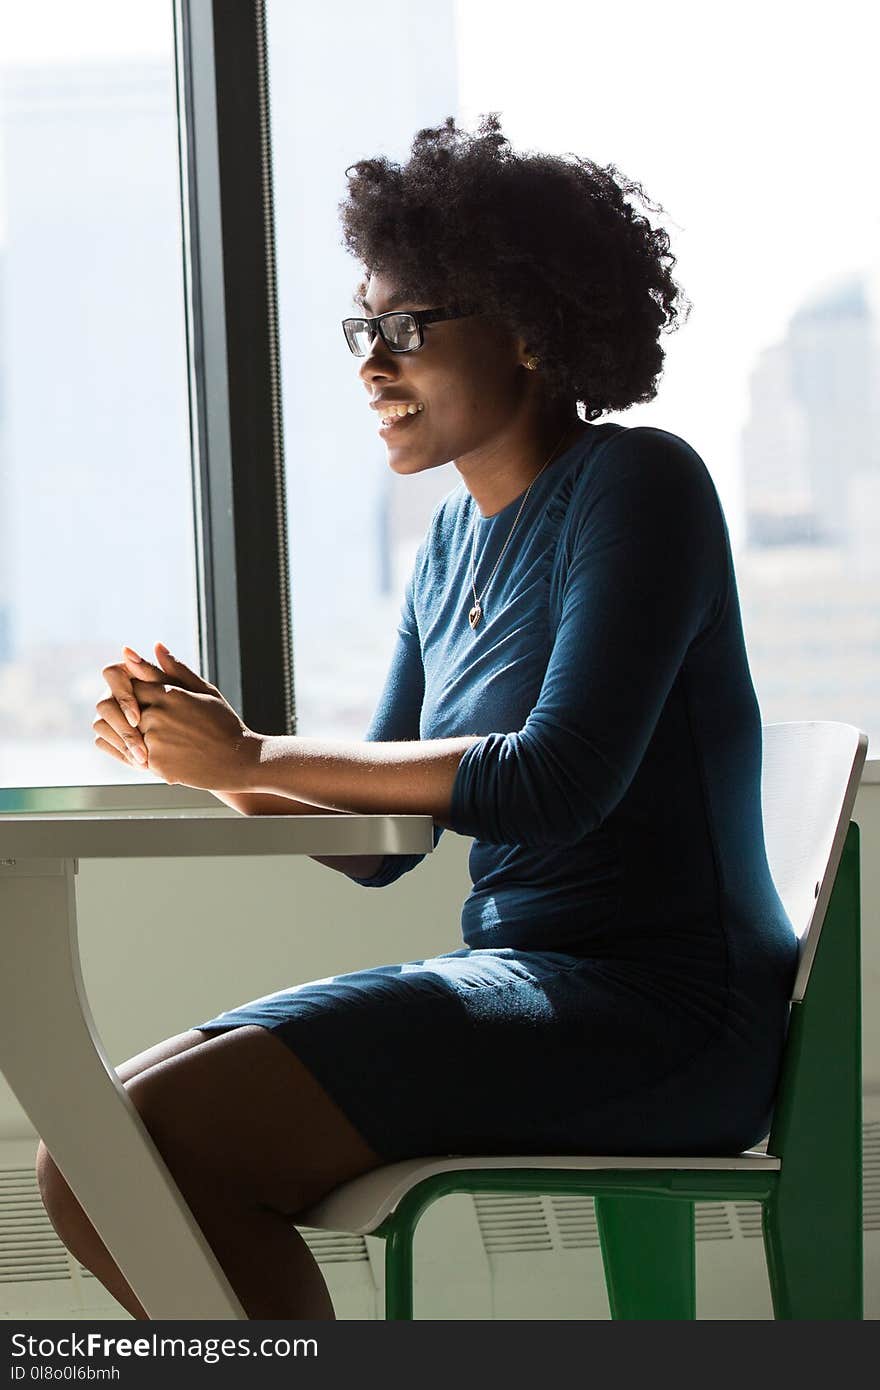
pixel 70 30
pixel 39 32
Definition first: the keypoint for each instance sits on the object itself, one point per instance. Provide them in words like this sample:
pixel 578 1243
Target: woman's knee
pixel 62 1208
pixel 55 1192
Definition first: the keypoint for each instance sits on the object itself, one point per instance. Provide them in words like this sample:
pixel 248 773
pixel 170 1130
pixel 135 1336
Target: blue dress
pixel 627 963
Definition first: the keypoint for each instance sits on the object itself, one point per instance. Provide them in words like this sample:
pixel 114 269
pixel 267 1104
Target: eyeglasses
pixel 401 332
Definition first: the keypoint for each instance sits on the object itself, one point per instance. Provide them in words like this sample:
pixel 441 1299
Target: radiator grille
pixel 509 1223
pixel 30 1248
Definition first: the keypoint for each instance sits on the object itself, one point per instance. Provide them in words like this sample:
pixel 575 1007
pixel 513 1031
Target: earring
pixel 532 362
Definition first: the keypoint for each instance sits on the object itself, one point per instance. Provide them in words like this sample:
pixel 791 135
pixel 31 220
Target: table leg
pixel 53 1060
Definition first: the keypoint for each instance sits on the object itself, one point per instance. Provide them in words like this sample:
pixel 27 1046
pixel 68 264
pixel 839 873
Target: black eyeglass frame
pixel 421 317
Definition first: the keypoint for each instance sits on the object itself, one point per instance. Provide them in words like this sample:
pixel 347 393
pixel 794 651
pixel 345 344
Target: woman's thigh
pixel 248 1117
pixel 239 1112
pixel 143 1061
pixel 49 1175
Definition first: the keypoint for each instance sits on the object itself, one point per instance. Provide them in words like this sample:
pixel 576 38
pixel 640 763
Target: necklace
pixel 476 612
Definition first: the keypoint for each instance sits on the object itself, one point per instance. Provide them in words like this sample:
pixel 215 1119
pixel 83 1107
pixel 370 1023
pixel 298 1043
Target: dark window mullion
pixel 239 491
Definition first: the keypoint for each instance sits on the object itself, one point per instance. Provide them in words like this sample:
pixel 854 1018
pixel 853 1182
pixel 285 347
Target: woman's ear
pixel 525 355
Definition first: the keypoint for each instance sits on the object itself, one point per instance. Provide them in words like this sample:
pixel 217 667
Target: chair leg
pixel 649 1258
pixel 814 1255
pixel 399 1271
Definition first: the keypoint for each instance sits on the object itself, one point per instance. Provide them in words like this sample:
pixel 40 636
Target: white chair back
pixel 810 777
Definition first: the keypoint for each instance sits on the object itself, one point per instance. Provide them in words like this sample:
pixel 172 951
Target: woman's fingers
pixel 176 672
pixel 106 746
pixel 142 670
pixel 120 712
pixel 121 743
pixel 112 722
pixel 122 691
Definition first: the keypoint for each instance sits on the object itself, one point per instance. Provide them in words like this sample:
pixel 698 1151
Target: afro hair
pixel 543 245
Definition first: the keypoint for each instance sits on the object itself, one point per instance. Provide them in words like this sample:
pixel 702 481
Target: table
pixel 59 1071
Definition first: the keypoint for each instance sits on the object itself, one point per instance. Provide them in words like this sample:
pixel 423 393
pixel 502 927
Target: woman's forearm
pixel 262 804
pixel 407 777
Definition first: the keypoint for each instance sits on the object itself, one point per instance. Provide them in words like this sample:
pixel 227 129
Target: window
pixel 354 528
pixel 773 379
pixel 96 508
pixel 756 144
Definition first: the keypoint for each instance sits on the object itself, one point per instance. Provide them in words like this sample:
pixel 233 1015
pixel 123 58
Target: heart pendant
pixel 475 615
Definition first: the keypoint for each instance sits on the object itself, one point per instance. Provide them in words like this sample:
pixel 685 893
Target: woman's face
pixel 468 377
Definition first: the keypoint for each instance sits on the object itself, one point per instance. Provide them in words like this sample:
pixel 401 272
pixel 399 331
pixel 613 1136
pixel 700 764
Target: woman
pixel 570 687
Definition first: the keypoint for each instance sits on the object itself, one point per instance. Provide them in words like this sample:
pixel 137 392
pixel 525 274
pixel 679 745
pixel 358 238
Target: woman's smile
pixel 396 418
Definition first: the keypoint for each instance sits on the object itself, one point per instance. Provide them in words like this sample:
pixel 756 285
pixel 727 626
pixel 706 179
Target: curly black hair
pixel 542 246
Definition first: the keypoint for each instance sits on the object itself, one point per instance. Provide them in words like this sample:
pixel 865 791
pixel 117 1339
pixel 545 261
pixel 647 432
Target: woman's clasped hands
pixel 181 724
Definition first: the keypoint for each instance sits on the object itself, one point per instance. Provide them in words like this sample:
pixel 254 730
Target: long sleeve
pixel 647 574
pixel 397 716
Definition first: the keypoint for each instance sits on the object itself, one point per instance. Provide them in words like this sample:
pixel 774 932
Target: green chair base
pixel 811 1205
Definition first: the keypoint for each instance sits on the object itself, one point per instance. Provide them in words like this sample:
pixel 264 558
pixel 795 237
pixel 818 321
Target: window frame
pixel 233 356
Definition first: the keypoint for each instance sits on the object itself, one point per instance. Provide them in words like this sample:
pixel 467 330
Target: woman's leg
pixel 71 1224
pixel 251 1139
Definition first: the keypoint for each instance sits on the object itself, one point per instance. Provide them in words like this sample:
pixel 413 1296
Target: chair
pixel 809 1181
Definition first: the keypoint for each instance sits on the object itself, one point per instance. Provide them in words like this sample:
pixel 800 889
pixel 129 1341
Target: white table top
pixel 172 822
pixel 185 834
